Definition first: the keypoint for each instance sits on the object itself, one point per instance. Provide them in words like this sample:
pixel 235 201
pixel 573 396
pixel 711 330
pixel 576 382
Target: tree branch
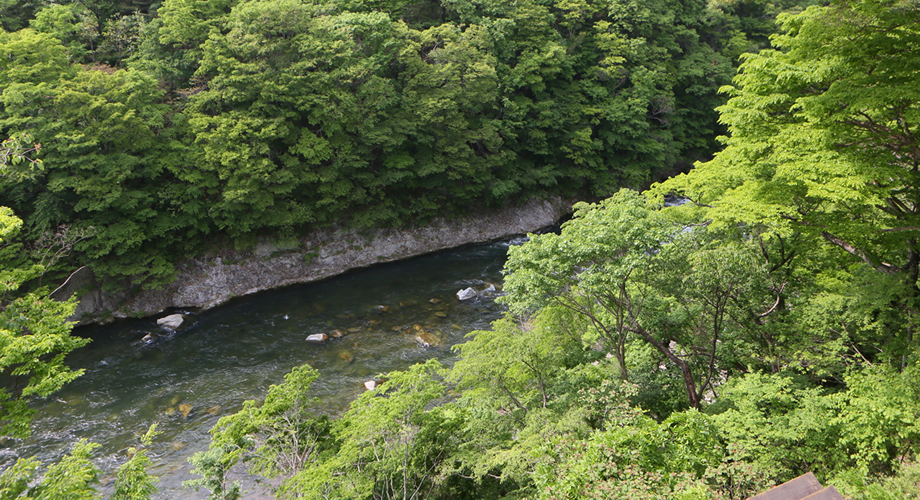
pixel 878 266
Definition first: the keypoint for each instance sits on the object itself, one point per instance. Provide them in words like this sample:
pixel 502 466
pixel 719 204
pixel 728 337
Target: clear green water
pixel 234 352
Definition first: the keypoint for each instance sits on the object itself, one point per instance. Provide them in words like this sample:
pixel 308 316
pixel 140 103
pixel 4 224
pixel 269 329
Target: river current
pixel 185 381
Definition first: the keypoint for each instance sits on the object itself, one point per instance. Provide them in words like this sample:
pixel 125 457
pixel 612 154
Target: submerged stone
pixel 426 339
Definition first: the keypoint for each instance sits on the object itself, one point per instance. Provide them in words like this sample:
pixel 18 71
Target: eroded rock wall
pixel 210 280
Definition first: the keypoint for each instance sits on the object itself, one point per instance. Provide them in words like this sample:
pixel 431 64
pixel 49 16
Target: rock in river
pixel 317 337
pixel 426 339
pixel 172 321
pixel 466 293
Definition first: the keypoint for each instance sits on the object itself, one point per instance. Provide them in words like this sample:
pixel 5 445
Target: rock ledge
pixel 210 280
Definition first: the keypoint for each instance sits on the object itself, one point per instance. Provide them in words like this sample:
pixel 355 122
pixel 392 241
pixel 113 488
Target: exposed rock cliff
pixel 210 280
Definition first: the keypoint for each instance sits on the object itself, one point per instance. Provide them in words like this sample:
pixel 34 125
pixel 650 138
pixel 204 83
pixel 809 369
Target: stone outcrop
pixel 210 280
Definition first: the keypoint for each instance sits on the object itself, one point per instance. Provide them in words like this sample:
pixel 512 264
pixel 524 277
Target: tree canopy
pixel 708 349
pixel 200 120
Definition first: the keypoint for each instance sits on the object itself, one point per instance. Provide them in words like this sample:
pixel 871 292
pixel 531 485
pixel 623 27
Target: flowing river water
pixel 221 357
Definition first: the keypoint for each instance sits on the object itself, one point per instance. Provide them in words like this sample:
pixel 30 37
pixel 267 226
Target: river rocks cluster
pixel 168 325
pixel 470 293
pixel 430 324
pixel 379 318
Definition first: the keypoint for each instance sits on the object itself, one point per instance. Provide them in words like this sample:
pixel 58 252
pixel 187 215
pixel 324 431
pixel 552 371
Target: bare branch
pixel 779 296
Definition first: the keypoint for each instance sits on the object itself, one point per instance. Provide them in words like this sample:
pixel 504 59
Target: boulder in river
pixel 149 338
pixel 426 339
pixel 370 385
pixel 466 294
pixel 317 337
pixel 185 409
pixel 172 321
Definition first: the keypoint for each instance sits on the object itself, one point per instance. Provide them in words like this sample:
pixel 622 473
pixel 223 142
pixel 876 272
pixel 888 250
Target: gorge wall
pixel 212 279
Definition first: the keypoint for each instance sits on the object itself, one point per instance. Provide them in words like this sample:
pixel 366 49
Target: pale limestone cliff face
pixel 210 280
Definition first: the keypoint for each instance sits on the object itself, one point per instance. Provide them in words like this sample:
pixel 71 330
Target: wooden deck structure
pixel 805 487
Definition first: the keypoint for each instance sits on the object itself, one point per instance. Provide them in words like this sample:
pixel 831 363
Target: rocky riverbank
pixel 212 279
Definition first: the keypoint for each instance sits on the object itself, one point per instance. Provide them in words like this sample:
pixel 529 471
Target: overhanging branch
pixel 878 266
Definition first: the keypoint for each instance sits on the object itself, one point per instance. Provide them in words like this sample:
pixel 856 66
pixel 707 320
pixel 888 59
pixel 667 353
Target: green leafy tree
pixel 35 335
pixel 516 383
pixel 277 437
pixel 639 275
pixel 69 24
pixel 212 466
pixel 115 160
pixel 786 426
pixel 72 478
pixel 133 481
pixel 824 140
pixel 391 443
pixel 635 457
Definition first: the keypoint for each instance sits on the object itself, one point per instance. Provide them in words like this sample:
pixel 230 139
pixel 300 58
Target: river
pixel 221 357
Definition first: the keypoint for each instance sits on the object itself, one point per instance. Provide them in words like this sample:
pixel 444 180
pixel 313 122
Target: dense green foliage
pixel 35 337
pixel 706 350
pixel 164 128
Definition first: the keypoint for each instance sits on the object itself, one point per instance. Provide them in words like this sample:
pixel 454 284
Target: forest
pixel 732 306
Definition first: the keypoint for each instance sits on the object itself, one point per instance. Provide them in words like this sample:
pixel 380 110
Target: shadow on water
pixel 219 358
